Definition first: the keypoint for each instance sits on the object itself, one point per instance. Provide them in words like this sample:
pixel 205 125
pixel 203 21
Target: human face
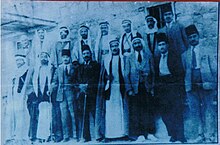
pixel 137 45
pixel 114 46
pixel 104 29
pixel 63 34
pixel 41 34
pixel 162 46
pixel 84 33
pixel 150 23
pixel 20 62
pixel 44 59
pixel 24 41
pixel 168 17
pixel 66 59
pixel 86 55
pixel 127 27
pixel 193 39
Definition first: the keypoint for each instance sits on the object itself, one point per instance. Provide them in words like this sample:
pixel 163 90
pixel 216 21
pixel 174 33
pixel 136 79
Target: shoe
pixel 140 139
pixel 66 139
pixel 152 138
pixel 172 139
pixel 182 140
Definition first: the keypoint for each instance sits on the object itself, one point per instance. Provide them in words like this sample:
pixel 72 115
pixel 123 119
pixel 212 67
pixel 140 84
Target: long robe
pixel 17 115
pixel 111 114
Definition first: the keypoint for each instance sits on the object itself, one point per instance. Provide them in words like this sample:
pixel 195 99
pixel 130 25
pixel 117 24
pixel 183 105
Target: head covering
pixel 104 23
pixel 64 28
pixel 167 8
pixel 85 47
pixel 84 26
pixel 153 30
pixel 20 56
pixel 66 52
pixel 113 38
pixel 191 29
pixel 148 17
pixel 126 22
pixel 45 53
pixel 161 37
pixel 136 37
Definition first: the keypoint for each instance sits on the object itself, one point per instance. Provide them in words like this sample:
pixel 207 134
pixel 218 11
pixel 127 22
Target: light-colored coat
pixel 208 68
pixel 58 83
pixel 132 73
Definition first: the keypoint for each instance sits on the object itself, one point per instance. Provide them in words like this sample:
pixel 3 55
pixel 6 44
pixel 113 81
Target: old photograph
pixel 83 72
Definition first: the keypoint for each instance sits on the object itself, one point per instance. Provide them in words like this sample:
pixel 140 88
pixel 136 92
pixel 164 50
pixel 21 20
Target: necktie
pixel 193 58
pixel 66 70
pixel 139 57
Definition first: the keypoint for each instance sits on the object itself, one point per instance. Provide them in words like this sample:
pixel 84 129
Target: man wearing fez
pixel 88 77
pixel 139 78
pixel 63 43
pixel 111 105
pixel 201 88
pixel 127 36
pixel 169 80
pixel 174 31
pixel 64 82
pixel 84 39
pixel 102 48
pixel 150 33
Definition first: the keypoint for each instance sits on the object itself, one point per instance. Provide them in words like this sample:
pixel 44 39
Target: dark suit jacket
pixel 175 67
pixel 89 74
pixel 58 83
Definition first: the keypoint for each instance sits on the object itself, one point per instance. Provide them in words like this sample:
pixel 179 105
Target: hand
pixel 130 93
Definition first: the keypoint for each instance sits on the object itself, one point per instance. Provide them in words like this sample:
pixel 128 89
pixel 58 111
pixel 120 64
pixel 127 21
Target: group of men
pixel 113 89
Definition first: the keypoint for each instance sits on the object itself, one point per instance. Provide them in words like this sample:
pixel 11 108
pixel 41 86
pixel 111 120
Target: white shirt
pixel 163 66
pixel 196 50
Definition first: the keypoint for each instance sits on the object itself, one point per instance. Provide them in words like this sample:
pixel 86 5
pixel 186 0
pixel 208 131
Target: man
pixel 125 42
pixel 16 112
pixel 26 49
pixel 111 105
pixel 63 43
pixel 201 88
pixel 40 43
pixel 139 78
pixel 102 48
pixel 64 82
pixel 88 77
pixel 169 76
pixel 84 39
pixel 40 81
pixel 174 31
pixel 151 32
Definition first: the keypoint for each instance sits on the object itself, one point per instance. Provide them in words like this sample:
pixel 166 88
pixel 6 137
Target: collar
pixel 128 34
pixel 164 55
pixel 87 63
pixel 170 24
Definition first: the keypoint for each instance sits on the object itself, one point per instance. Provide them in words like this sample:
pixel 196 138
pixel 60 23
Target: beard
pixel 44 62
